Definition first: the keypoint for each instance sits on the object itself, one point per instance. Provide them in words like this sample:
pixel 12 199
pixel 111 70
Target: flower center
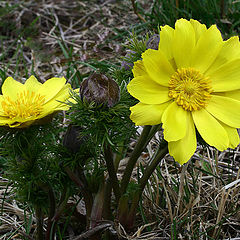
pixel 28 104
pixel 190 89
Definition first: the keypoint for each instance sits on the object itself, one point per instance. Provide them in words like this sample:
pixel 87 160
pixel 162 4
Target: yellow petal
pixel 18 121
pixel 51 87
pixel 5 121
pixel 139 69
pixel 183 149
pixel 235 94
pixel 226 78
pixel 229 51
pixel 14 124
pixel 210 129
pixel 165 43
pixel 232 135
pixel 11 88
pixel 207 49
pixel 199 28
pixel 158 67
pixel 174 122
pixel 145 114
pixel 58 102
pixel 32 84
pixel 183 43
pixel 1 109
pixel 148 91
pixel 225 109
pixel 21 124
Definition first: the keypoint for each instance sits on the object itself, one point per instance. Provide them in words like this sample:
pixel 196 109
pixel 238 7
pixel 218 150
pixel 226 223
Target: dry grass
pixel 93 30
pixel 200 200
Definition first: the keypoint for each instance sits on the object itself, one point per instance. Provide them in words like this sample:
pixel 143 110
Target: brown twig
pixel 136 12
pixel 93 231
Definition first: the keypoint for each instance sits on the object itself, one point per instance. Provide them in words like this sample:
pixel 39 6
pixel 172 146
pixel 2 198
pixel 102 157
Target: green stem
pixel 39 217
pixel 107 213
pixel 142 142
pixel 152 132
pixel 143 181
pixel 51 228
pixel 150 169
pixel 87 196
pixel 222 6
pixel 62 204
pixel 97 208
pixel 51 196
pixel 111 171
pixel 52 207
pixel 118 157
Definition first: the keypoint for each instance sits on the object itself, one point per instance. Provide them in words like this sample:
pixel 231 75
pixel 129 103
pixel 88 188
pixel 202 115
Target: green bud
pixel 100 89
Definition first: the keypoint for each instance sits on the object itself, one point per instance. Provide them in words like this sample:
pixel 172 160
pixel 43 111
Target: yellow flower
pixel 25 104
pixel 191 82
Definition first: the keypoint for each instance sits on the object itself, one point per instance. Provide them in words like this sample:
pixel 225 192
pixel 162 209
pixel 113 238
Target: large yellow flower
pixel 24 104
pixel 191 82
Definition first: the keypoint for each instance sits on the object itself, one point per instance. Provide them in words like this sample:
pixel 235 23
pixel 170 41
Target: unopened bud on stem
pixel 100 89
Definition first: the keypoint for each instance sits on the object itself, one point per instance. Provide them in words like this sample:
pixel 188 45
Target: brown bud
pixel 100 89
pixel 72 140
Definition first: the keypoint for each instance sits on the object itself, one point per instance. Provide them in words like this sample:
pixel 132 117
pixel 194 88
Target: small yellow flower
pixel 22 105
pixel 191 82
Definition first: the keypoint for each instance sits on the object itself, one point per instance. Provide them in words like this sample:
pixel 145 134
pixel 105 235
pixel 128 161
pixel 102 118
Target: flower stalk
pixel 127 214
pixel 142 142
pixel 39 217
pixel 159 155
pixel 111 171
pixel 88 199
pixel 62 204
pixel 52 206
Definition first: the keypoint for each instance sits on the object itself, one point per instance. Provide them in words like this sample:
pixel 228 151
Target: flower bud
pixel 100 89
pixel 72 140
